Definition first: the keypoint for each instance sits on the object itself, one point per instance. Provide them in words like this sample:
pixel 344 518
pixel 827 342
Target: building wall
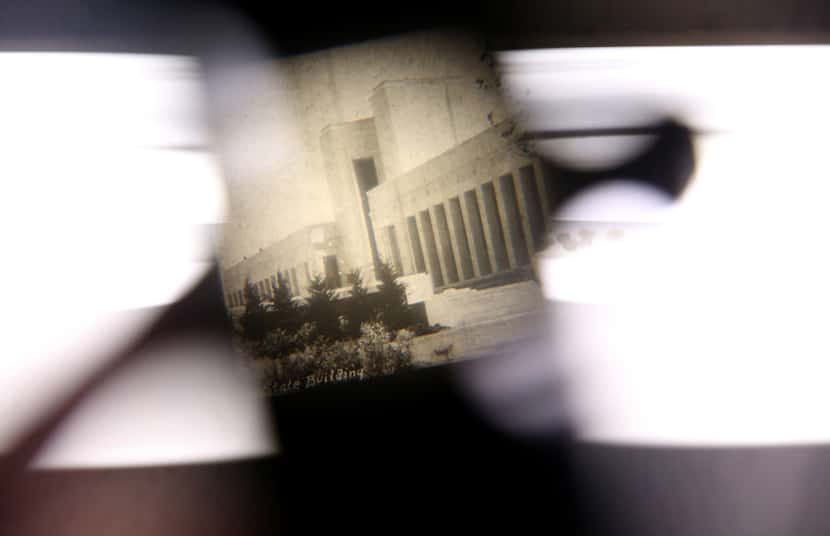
pixel 299 256
pixel 420 106
pixel 418 120
pixel 327 88
pixel 342 144
pixel 476 210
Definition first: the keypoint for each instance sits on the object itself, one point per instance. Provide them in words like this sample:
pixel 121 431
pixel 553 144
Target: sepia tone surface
pixel 399 227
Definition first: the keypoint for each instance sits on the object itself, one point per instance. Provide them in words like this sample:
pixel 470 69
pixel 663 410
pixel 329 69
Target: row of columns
pixel 494 227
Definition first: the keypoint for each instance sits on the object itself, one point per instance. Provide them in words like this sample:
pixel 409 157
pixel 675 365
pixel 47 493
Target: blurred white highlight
pixel 101 100
pixel 608 269
pixel 109 195
pixel 709 328
pixel 714 88
pixel 186 402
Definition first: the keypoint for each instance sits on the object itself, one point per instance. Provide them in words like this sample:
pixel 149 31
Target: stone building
pixel 297 258
pixel 426 177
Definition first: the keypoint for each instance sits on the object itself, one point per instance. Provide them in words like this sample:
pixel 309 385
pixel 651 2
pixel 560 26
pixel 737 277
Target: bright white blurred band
pixel 108 199
pixel 772 89
pixel 708 329
pixel 183 402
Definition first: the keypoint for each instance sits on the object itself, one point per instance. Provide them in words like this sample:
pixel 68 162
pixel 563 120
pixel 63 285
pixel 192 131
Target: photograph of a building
pixel 409 155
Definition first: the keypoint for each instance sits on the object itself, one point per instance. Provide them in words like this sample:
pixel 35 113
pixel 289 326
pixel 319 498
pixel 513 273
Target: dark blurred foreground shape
pixel 411 453
pixel 405 453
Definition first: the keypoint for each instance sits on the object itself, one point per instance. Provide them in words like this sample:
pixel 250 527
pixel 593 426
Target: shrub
pixel 379 353
pixel 253 319
pixel 284 313
pixel 393 310
pixel 275 344
pixel 322 308
pixel 375 353
pixel 358 306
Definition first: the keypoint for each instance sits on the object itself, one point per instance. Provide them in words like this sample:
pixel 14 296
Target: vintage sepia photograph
pixel 400 228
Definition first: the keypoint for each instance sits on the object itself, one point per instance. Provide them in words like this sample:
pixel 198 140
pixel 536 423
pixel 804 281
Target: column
pixel 415 245
pixel 459 233
pixel 428 239
pixel 493 228
pixel 294 282
pixel 475 231
pixel 445 245
pixel 516 243
pixel 404 250
pixel 530 205
pixel 394 250
pixel 307 275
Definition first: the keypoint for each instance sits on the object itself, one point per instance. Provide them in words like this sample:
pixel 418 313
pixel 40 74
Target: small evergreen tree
pixel 253 319
pixel 393 309
pixel 359 306
pixel 358 290
pixel 322 307
pixel 284 313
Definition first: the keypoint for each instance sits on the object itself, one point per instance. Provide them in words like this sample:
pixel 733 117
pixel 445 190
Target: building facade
pixel 297 258
pixel 430 181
